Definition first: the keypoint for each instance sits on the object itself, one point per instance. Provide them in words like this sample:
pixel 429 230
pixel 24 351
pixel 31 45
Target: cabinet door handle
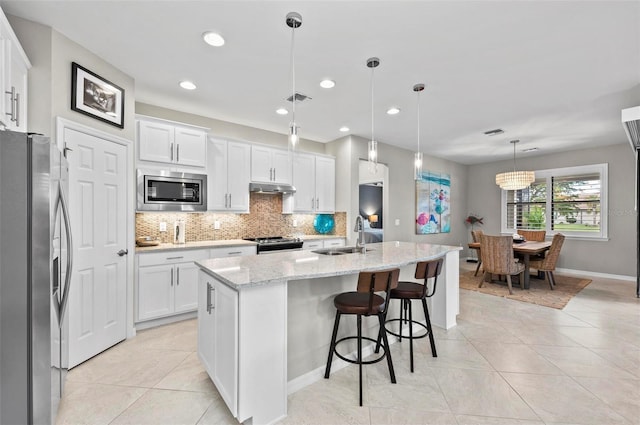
pixel 226 197
pixel 229 200
pixel 270 174
pixel 171 148
pixel 317 203
pixel 17 109
pixel 274 174
pixel 177 152
pixel 175 258
pixel 12 97
pixel 171 277
pixel 210 297
pixel 234 252
pixel 177 276
pixel 313 202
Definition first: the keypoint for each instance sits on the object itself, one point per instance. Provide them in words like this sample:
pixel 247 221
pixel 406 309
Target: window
pixel 565 200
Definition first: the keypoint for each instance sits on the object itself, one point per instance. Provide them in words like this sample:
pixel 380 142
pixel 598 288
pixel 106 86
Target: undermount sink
pixel 342 250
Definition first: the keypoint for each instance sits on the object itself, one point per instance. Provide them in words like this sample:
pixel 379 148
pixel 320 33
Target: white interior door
pixel 98 210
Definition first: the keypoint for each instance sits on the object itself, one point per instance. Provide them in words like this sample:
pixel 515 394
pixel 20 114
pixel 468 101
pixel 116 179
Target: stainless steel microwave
pixel 171 191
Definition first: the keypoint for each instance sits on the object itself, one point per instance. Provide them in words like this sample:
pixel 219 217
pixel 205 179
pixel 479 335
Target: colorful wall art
pixel 433 196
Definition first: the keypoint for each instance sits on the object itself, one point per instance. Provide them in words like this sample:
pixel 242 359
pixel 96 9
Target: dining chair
pixel 533 235
pixel 548 263
pixel 475 235
pixel 497 258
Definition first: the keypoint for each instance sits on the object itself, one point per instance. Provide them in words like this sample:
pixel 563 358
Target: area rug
pixel 538 293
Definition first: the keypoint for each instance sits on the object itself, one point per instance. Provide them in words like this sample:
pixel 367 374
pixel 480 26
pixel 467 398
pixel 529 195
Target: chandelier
pixel 515 180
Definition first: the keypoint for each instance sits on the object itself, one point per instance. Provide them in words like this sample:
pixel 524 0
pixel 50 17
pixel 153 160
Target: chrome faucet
pixel 359 227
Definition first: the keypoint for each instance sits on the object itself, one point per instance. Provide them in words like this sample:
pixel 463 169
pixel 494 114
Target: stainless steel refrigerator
pixel 35 272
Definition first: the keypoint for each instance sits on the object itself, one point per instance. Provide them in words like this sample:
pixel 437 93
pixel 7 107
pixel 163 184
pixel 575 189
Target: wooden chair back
pixel 426 270
pixel 533 235
pixel 551 257
pixel 378 281
pixel 497 254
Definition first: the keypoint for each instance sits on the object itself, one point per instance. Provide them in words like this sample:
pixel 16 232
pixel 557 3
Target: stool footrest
pixel 376 360
pixel 407 336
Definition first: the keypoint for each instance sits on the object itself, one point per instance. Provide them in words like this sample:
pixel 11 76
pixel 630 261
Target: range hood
pixel 271 188
pixel 631 123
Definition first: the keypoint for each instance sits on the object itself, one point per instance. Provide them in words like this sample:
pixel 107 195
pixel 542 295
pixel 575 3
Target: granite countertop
pixel 243 272
pixel 194 245
pixel 220 243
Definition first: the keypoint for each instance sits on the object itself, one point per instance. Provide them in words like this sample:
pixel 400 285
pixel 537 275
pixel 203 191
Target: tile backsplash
pixel 265 218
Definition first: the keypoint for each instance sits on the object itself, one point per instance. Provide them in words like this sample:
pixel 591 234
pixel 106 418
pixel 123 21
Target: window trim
pixel 602 169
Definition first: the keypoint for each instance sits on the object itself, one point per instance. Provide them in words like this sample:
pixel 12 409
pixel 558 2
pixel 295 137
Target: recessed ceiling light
pixel 393 111
pixel 327 84
pixel 213 39
pixel 344 129
pixel 281 111
pixel 187 85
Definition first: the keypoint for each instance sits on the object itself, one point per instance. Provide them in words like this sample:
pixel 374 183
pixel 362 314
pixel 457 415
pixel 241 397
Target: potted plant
pixel 473 220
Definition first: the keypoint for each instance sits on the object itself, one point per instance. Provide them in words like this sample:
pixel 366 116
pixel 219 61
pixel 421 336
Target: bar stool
pixel 365 302
pixel 407 291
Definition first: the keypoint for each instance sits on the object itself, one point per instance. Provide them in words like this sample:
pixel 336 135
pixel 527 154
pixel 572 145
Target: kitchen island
pixel 264 322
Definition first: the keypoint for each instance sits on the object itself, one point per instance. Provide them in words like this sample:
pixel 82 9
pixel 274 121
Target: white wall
pixel 615 256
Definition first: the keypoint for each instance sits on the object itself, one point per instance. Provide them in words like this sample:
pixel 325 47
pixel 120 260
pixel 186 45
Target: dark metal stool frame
pixel 365 302
pixel 407 291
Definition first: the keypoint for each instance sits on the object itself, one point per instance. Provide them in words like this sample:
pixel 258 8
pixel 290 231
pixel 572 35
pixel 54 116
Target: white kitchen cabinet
pixel 167 283
pixel 323 243
pixel 218 336
pixel 314 180
pixel 269 165
pixel 14 67
pixel 229 176
pixel 171 143
pixel 233 251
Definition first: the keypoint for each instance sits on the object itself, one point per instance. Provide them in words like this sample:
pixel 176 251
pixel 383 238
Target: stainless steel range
pixel 276 244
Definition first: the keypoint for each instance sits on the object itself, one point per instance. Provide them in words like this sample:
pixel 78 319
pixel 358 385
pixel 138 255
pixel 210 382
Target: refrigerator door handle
pixel 67 229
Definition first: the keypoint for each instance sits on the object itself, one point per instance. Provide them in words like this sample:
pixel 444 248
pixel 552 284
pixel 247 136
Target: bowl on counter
pixel 147 241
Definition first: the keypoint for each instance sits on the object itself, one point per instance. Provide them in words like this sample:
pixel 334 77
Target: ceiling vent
pixel 299 97
pixel 631 124
pixel 494 132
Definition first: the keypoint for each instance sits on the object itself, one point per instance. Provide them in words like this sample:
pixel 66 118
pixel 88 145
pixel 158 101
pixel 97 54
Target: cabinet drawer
pixel 330 243
pixel 233 251
pixel 312 245
pixel 170 257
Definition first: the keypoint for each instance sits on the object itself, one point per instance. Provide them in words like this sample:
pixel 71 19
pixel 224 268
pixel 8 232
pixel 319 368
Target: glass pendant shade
pixel 417 165
pixel 293 134
pixel 515 180
pixel 373 152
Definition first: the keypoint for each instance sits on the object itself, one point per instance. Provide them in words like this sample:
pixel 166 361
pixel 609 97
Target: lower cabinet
pixel 323 243
pixel 167 283
pixel 218 336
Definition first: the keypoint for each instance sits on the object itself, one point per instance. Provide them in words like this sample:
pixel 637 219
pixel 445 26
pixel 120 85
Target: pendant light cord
pixel 293 76
pixel 418 121
pixel 372 89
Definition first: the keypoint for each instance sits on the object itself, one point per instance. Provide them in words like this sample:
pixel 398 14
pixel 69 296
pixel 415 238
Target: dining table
pixel 526 249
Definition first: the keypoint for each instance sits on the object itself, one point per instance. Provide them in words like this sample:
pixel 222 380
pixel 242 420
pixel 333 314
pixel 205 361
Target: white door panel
pixel 98 204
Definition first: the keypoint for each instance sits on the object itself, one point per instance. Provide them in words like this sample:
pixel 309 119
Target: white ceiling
pixel 553 74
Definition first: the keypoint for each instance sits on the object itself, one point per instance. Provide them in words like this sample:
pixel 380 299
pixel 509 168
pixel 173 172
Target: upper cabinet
pixel 315 183
pixel 269 165
pixel 229 175
pixel 172 143
pixel 14 66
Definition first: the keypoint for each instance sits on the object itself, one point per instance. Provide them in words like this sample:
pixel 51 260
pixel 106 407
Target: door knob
pixel 123 252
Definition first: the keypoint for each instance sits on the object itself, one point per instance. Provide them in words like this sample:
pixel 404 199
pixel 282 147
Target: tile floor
pixel 506 362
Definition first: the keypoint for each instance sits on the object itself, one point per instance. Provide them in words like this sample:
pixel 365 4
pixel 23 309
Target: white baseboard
pixel 147 324
pixel 583 273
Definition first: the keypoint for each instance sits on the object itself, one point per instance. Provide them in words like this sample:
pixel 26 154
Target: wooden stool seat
pixel 358 303
pixel 409 290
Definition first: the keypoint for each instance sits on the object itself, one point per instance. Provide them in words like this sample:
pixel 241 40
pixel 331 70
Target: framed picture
pixel 96 97
pixel 433 198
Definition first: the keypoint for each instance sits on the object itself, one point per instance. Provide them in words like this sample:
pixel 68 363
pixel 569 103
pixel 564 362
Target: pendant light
pixel 373 145
pixel 515 180
pixel 417 160
pixel 294 20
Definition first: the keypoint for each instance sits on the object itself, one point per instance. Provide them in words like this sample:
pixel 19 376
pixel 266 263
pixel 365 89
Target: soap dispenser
pixel 179 232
